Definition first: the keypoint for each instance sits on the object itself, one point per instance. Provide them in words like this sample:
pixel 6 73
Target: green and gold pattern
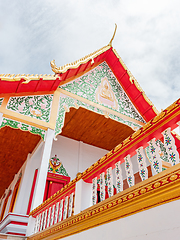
pixel 22 126
pixel 37 106
pixel 87 85
pixel 67 102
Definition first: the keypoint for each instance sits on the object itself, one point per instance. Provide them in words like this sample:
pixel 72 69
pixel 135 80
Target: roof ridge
pixel 77 63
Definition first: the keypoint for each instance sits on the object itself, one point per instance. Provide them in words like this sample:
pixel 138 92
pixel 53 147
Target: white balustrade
pixel 154 156
pixel 102 186
pixel 45 219
pixel 143 172
pixel 56 213
pixel 129 171
pixel 110 182
pixel 119 179
pixel 52 215
pixel 70 204
pixel 65 208
pixel 169 144
pixel 94 191
pixel 60 210
pixel 49 215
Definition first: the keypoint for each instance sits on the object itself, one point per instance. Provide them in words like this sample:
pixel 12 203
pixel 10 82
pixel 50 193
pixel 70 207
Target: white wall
pixel 27 170
pixel 159 223
pixel 75 156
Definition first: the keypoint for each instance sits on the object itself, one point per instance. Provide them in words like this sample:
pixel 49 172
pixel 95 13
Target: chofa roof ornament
pixel 83 60
pixel 110 43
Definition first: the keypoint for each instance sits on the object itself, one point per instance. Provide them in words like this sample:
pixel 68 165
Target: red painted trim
pixel 32 192
pixel 18 234
pixel 18 223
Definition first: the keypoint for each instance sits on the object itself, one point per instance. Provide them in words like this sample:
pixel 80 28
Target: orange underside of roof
pixel 135 95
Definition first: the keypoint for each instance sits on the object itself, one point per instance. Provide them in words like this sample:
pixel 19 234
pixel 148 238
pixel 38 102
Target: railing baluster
pixel 65 208
pixel 36 224
pixel 119 179
pixel 60 210
pixel 102 186
pixel 70 204
pixel 52 215
pixel 49 214
pixel 42 221
pixel 110 182
pixel 56 213
pixel 155 157
pixel 45 219
pixel 169 143
pixel 143 172
pixel 129 171
pixel 94 190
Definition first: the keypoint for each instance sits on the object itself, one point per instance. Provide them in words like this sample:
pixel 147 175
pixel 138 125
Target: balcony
pixel 101 194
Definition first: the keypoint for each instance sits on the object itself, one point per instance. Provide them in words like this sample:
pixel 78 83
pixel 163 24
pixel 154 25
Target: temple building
pixel 85 154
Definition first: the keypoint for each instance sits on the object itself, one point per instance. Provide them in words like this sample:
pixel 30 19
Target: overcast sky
pixel 32 33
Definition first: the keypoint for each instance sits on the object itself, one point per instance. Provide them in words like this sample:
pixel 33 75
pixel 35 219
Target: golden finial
pixel 110 43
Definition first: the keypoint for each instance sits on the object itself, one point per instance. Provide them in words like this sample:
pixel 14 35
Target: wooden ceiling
pixel 15 146
pixel 94 129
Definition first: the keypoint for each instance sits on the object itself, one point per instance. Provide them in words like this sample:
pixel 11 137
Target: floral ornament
pixel 22 126
pixel 87 85
pixel 155 156
pixel 94 190
pixel 143 172
pixel 55 166
pixel 37 106
pixel 129 171
pixel 169 144
pixel 110 182
pixel 102 186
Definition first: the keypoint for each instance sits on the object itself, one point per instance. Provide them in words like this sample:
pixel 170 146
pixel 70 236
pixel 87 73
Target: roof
pixel 11 83
pixel 130 85
pixel 37 83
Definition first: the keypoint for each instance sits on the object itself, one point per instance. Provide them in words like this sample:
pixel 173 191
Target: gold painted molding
pixel 77 63
pixel 124 117
pixel 157 190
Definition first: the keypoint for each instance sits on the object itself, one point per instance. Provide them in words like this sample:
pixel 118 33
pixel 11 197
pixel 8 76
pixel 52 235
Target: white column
pixel 42 174
pixel 83 196
pixel 31 225
pixel 1 118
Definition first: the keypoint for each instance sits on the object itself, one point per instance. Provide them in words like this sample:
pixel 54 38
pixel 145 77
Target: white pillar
pixel 1 118
pixel 83 196
pixel 31 225
pixel 42 174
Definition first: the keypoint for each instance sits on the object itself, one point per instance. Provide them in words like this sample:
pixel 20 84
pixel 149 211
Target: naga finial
pixel 110 43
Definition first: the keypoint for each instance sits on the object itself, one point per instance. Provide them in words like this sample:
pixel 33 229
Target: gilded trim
pixel 26 77
pixel 157 190
pixel 133 80
pixel 77 63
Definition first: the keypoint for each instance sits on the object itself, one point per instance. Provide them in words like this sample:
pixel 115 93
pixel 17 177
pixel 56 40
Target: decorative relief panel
pixel 38 106
pixel 119 178
pixel 23 127
pixel 101 86
pixel 1 100
pixel 55 166
pixel 66 102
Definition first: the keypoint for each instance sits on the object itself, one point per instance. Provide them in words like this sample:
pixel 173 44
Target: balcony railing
pixel 153 136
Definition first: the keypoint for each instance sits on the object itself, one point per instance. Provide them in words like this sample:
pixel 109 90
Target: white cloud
pixel 35 32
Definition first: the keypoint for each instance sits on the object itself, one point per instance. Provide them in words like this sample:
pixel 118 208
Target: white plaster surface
pixel 75 156
pixel 159 223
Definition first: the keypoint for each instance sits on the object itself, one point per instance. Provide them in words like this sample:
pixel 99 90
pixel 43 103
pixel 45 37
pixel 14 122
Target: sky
pixel 32 33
